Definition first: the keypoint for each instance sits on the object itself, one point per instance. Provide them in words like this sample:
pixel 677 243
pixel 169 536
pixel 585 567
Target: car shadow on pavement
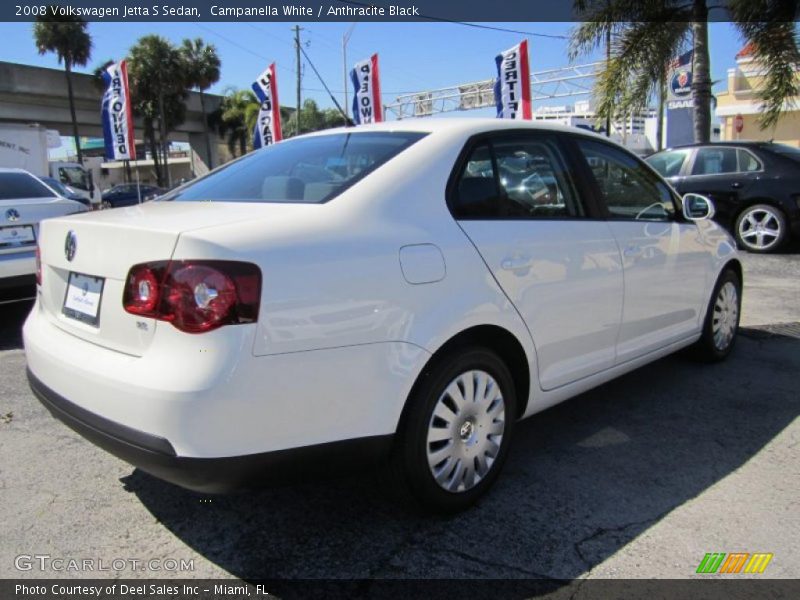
pixel 12 317
pixel 583 479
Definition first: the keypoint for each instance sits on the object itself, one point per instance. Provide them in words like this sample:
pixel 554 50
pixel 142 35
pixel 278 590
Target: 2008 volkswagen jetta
pixel 404 291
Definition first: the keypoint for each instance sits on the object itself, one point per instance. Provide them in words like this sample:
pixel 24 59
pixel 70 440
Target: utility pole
pixel 608 62
pixel 297 29
pixel 345 40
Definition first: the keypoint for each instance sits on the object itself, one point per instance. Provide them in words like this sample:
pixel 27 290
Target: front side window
pixel 629 189
pixel 515 178
pixel 669 163
pixel 74 176
pixel 715 161
pixel 307 170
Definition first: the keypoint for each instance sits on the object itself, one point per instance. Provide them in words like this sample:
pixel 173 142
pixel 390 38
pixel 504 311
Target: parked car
pixel 66 191
pixel 755 187
pixel 24 202
pixel 372 293
pixel 126 194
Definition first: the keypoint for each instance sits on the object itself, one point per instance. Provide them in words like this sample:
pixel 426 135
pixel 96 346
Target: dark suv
pixel 755 187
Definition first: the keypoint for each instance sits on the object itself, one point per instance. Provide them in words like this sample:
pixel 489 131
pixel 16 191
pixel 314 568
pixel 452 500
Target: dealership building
pixel 740 102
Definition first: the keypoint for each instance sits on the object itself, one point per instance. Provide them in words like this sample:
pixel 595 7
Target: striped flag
pixel 512 90
pixel 117 114
pixel 367 99
pixel 268 126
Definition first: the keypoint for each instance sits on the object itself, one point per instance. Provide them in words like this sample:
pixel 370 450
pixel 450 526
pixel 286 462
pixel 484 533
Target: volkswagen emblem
pixel 70 245
pixel 12 214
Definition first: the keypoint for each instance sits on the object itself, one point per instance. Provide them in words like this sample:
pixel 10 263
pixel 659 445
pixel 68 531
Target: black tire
pixel 747 235
pixel 707 348
pixel 410 461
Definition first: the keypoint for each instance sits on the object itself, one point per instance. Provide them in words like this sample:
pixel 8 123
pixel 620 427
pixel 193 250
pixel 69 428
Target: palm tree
pixel 203 67
pixel 236 119
pixel 158 81
pixel 650 33
pixel 70 40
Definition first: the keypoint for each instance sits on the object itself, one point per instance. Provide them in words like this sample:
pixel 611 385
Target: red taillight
pixel 38 266
pixel 194 295
pixel 142 289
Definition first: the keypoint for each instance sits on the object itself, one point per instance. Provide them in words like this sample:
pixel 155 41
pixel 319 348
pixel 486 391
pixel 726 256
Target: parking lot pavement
pixel 638 478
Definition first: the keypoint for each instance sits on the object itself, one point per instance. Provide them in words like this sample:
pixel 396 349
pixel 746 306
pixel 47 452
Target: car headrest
pixel 315 192
pixel 475 194
pixel 281 187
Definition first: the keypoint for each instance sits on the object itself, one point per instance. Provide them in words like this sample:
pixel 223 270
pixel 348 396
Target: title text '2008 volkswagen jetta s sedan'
pixel 403 291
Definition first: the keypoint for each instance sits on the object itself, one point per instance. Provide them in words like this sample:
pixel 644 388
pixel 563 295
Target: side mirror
pixel 697 207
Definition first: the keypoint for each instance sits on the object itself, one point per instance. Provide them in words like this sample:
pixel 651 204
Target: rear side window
pixel 715 161
pixel 303 170
pixel 515 178
pixel 747 162
pixel 669 163
pixel 629 189
pixel 16 186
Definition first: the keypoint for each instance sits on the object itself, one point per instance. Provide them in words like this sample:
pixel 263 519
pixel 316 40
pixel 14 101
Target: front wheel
pixel 722 319
pixel 761 228
pixel 454 437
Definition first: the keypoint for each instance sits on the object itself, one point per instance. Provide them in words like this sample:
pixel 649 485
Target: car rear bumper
pixel 155 455
pixel 15 264
pixel 211 407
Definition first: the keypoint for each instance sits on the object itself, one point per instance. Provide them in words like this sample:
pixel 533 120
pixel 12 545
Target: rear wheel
pixel 761 228
pixel 106 204
pixel 454 437
pixel 722 319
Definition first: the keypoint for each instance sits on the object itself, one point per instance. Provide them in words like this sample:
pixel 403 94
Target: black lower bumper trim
pixel 155 455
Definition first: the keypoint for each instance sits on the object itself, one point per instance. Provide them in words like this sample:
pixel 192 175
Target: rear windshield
pixel 16 186
pixel 307 169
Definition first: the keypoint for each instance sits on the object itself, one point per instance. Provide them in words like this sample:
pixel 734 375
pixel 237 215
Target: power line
pixel 476 25
pixel 322 81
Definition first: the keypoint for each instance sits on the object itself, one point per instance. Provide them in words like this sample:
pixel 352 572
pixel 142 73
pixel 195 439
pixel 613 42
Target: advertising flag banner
pixel 117 114
pixel 367 99
pixel 680 106
pixel 268 126
pixel 512 90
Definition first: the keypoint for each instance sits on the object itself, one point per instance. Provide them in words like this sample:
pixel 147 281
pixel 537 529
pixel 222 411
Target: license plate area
pixel 83 297
pixel 17 235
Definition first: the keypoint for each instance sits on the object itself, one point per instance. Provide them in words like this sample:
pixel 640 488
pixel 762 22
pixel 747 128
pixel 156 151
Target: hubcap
pixel 465 431
pixel 726 316
pixel 760 229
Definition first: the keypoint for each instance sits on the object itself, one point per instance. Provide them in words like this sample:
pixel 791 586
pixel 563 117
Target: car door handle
pixel 632 250
pixel 736 185
pixel 516 262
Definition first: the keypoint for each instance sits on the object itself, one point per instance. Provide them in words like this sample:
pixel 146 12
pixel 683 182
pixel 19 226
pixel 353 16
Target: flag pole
pixel 138 187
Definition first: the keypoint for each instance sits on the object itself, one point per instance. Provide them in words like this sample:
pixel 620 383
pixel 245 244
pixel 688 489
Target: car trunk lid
pixel 95 251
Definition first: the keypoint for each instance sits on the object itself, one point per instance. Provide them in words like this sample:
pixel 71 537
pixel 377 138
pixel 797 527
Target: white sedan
pixel 24 201
pixel 404 291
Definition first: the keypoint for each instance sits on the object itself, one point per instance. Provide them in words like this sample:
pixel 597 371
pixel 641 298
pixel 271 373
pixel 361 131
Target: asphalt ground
pixel 639 478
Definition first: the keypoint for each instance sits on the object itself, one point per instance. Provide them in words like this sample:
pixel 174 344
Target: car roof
pixel 721 144
pixel 464 125
pixel 15 170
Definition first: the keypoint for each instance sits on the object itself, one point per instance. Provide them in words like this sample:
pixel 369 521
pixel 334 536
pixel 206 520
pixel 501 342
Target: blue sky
pixel 413 56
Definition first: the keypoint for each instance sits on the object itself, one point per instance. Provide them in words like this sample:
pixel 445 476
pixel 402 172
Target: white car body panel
pixel 16 261
pixel 357 295
pixel 565 278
